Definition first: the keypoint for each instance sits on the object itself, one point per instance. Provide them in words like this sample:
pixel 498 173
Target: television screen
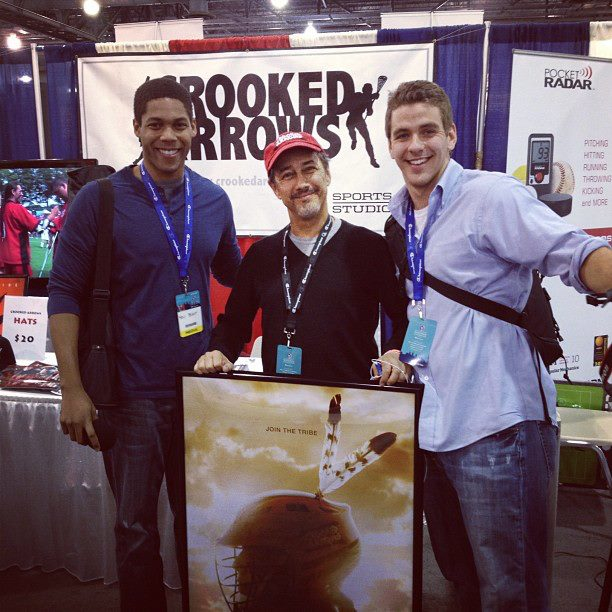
pixel 36 178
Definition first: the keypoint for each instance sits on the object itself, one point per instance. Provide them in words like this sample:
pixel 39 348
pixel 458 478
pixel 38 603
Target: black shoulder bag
pixel 536 318
pixel 96 347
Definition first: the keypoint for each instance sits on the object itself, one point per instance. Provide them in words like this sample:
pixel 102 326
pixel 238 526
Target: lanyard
pixel 182 254
pixel 291 305
pixel 415 251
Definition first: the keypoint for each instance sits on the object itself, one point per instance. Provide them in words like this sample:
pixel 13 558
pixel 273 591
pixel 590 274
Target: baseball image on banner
pixel 299 496
pixel 557 142
pixel 244 100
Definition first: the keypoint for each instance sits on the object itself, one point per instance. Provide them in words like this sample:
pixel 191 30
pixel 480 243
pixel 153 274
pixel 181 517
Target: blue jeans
pixel 488 511
pixel 149 444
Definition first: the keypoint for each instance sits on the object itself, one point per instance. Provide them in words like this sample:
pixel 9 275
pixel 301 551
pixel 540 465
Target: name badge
pixel 418 340
pixel 189 313
pixel 288 359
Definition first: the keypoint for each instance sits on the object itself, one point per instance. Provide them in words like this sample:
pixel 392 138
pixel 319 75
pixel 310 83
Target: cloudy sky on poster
pixel 235 452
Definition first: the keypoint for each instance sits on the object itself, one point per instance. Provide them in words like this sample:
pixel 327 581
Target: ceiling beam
pixel 49 5
pixel 28 19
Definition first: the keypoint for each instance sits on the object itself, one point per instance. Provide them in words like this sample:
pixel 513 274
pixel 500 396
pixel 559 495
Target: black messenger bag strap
pixel 489 307
pixel 397 245
pixel 477 302
pixel 101 289
pixel 394 233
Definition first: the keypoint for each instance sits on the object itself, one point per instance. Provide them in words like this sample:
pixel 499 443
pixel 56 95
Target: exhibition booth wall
pixel 458 63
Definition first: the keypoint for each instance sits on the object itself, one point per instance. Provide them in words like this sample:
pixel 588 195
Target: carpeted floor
pixel 582 544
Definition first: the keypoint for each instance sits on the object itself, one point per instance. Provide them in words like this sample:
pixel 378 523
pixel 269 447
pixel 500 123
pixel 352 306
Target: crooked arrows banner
pixel 242 101
pixel 560 143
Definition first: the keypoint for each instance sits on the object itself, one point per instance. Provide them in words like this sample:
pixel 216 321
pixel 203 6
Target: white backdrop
pixel 243 100
pixel 569 97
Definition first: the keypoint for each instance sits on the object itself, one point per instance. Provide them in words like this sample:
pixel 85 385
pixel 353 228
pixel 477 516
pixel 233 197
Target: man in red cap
pixel 319 282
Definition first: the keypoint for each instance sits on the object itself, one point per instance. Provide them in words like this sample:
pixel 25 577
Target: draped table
pixel 56 507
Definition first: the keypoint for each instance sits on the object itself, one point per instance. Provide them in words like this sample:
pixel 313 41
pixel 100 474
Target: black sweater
pixel 354 274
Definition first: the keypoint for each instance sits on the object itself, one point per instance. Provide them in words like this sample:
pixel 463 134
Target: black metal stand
pixel 604 602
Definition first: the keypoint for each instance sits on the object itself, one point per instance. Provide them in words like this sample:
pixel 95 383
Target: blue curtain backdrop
pixel 63 96
pixel 572 38
pixel 18 130
pixel 63 101
pixel 457 69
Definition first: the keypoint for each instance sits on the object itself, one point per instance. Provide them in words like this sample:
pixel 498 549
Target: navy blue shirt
pixel 145 277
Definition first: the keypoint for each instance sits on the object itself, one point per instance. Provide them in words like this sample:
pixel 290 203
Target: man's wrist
pixel 72 387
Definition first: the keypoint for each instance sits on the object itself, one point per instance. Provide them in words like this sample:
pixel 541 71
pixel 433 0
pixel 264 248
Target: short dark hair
pixel 320 154
pixel 57 181
pixel 412 92
pixel 164 87
pixel 54 183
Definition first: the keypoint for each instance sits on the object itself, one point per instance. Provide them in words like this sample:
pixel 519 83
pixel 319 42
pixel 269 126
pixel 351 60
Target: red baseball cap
pixel 286 141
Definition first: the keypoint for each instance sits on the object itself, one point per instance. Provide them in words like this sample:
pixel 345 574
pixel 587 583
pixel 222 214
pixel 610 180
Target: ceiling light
pixel 25 78
pixel 279 4
pixel 91 7
pixel 13 41
pixel 310 29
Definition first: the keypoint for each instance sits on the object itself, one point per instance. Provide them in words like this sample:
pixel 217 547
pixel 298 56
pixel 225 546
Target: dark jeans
pixel 149 444
pixel 488 511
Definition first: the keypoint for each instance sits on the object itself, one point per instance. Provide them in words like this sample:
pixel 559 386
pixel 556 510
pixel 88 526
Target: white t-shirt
pixel 306 244
pixel 420 218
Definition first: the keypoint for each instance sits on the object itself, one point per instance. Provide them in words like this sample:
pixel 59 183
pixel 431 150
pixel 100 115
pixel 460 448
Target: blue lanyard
pixel 182 254
pixel 415 251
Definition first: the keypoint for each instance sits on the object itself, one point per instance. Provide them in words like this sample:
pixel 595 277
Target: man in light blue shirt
pixel 490 447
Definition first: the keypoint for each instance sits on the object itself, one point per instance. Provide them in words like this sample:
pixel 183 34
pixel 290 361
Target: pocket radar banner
pixel 560 144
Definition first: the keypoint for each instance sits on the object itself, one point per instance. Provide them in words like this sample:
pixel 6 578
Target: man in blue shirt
pixel 491 451
pixel 171 228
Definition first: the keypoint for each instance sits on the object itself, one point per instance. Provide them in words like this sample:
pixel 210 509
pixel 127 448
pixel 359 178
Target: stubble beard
pixel 310 210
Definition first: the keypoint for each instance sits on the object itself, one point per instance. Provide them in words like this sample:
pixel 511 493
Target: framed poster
pixel 300 495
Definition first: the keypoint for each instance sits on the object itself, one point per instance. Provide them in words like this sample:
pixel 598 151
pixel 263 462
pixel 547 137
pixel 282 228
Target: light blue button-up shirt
pixel 485 233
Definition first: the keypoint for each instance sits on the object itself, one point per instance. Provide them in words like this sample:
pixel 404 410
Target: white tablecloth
pixel 56 507
pixel 589 426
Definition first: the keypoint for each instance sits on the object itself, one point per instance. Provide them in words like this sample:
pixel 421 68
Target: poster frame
pixel 418 464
